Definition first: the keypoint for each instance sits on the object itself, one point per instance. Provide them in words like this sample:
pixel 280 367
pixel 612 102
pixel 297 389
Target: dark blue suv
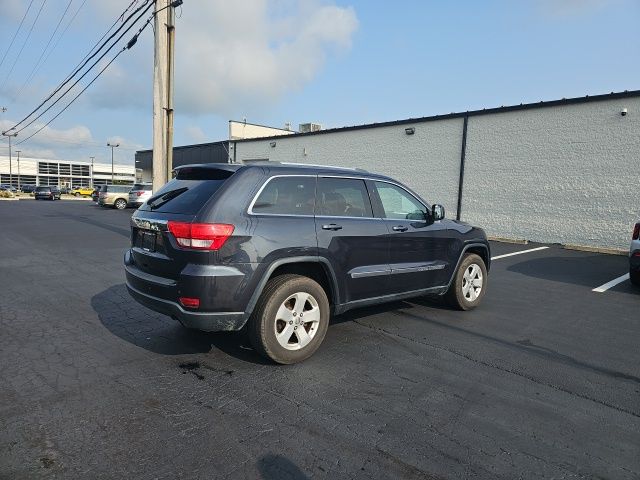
pixel 280 248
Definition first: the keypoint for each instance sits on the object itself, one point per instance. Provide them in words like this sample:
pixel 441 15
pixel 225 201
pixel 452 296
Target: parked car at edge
pixel 634 256
pixel 114 196
pixel 140 193
pixel 8 188
pixel 28 188
pixel 81 191
pixel 47 193
pixel 281 248
pixel 95 193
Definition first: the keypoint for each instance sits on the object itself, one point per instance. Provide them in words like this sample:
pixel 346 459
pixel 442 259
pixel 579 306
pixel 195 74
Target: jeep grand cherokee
pixel 280 248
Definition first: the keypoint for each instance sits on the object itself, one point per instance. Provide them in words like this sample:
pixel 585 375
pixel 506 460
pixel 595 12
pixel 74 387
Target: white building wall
pixel 239 130
pixel 29 167
pixel 428 161
pixel 564 174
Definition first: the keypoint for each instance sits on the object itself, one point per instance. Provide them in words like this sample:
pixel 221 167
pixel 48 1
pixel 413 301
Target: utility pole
pixel 9 135
pixel 163 68
pixel 92 159
pixel 18 152
pixel 112 145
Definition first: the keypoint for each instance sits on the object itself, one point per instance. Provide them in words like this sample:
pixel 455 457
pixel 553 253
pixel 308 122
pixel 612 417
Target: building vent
pixel 309 127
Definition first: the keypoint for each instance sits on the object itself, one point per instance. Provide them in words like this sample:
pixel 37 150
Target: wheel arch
pixel 314 267
pixel 480 249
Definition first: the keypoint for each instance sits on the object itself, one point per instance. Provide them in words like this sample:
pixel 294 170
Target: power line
pixel 23 45
pixel 74 98
pixel 83 63
pixel 16 34
pixel 130 44
pixel 37 65
pixel 55 45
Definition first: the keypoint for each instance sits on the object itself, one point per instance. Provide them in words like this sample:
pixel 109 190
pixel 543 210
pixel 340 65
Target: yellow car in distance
pixel 81 191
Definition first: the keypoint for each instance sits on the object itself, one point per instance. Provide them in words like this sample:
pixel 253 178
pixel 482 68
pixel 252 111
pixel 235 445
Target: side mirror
pixel 437 212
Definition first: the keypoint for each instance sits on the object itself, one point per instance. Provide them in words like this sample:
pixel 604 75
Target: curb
pixel 605 250
pixel 518 241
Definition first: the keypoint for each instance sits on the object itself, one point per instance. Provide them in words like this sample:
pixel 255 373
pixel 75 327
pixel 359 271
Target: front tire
pixel 290 319
pixel 634 277
pixel 77 194
pixel 469 283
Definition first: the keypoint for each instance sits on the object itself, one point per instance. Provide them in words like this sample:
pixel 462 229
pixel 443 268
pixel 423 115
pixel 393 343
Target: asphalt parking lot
pixel 542 381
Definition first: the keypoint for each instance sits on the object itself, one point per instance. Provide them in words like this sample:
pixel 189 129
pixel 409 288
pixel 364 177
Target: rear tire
pixel 634 277
pixel 469 283
pixel 77 194
pixel 290 319
pixel 120 204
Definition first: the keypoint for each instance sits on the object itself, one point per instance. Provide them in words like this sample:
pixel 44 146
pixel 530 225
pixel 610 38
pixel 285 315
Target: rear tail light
pixel 189 302
pixel 200 236
pixel 139 193
pixel 636 232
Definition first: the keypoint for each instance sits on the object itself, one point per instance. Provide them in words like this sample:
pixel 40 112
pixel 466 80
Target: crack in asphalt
pixel 527 346
pixel 498 367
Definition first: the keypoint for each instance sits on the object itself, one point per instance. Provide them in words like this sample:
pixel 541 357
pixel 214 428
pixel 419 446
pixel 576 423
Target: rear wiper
pixel 161 199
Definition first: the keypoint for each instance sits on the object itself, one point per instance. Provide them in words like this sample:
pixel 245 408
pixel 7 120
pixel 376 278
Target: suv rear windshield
pixel 188 192
pixel 141 186
pixel 115 188
pixel 43 189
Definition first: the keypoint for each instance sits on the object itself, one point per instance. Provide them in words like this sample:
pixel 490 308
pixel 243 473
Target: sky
pixel 336 63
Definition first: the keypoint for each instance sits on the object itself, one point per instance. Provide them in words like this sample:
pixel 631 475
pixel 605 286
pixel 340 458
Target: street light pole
pixel 112 145
pixel 92 159
pixel 5 134
pixel 18 152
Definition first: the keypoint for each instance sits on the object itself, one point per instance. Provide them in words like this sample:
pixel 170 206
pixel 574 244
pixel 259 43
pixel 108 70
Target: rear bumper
pixel 214 286
pixel 634 260
pixel 208 322
pixel 134 204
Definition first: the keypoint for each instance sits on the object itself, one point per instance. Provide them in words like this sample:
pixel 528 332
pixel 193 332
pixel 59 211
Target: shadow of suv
pixel 282 247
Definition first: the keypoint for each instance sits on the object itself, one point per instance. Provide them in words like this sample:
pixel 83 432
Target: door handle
pixel 332 226
pixel 400 228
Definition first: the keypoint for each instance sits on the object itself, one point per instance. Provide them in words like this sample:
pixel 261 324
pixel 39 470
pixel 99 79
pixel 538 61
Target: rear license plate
pixel 148 241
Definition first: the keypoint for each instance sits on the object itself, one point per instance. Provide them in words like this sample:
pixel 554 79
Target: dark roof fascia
pixel 470 113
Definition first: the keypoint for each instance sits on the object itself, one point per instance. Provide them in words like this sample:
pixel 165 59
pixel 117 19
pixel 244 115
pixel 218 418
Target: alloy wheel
pixel 297 321
pixel 472 282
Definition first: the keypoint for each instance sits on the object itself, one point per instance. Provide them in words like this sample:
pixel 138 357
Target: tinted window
pixel 43 189
pixel 343 197
pixel 287 196
pixel 398 203
pixel 141 186
pixel 188 192
pixel 118 189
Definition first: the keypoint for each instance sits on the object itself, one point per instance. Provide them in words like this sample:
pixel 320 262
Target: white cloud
pixel 196 134
pixel 232 55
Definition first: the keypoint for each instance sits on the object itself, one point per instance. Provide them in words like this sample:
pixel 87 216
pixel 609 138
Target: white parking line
pixel 612 283
pixel 518 253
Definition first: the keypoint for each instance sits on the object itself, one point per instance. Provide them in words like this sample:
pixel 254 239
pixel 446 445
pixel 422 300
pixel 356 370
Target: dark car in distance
pixel 47 193
pixel 281 247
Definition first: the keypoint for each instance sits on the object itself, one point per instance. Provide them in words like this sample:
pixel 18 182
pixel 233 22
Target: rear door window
pixel 188 191
pixel 290 195
pixel 343 197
